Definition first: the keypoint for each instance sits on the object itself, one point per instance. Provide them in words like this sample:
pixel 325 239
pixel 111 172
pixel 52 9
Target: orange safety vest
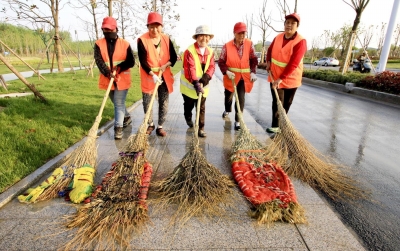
pixel 123 80
pixel 279 60
pixel 155 61
pixel 237 65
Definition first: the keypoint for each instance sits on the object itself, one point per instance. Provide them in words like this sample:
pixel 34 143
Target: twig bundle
pixel 310 166
pixel 82 155
pixel 263 183
pixel 119 207
pixel 196 186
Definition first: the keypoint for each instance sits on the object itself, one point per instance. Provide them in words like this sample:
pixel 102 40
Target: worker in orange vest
pixel 238 62
pixel 114 53
pixel 285 63
pixel 156 53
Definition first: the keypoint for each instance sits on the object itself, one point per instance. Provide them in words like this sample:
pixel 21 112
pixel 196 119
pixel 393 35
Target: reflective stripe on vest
pixel 120 52
pixel 240 66
pixel 186 87
pixel 239 70
pixel 280 56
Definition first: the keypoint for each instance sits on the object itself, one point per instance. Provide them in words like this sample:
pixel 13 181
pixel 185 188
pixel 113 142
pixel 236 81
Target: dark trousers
pixel 229 99
pixel 189 104
pixel 286 96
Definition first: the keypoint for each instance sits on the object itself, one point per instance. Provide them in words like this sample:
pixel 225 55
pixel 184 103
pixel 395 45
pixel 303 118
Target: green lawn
pixel 32 132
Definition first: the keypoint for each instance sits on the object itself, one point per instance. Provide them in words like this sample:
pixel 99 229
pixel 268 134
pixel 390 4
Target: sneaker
pixel 225 114
pixel 237 127
pixel 127 121
pixel 161 132
pixel 118 132
pixel 273 130
pixel 202 134
pixel 150 129
pixel 189 122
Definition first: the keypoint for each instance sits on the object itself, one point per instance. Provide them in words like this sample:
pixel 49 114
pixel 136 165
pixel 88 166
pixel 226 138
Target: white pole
pixel 389 33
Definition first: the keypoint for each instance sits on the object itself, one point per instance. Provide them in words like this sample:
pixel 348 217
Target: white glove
pixel 253 77
pixel 230 75
pixel 156 79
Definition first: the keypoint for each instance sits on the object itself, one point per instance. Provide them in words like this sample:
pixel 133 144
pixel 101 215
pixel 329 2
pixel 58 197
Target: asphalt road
pixel 359 133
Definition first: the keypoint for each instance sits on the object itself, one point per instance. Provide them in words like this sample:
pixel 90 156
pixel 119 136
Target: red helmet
pixel 109 23
pixel 154 17
pixel 294 16
pixel 239 27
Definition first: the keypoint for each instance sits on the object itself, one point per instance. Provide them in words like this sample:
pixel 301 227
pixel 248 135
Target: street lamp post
pixel 212 28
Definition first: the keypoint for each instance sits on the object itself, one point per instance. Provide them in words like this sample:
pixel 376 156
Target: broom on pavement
pixel 196 186
pixel 85 154
pixel 307 164
pixel 263 182
pixel 118 206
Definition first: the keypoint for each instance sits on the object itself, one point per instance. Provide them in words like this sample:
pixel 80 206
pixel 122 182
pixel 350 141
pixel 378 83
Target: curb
pixel 357 91
pixel 47 168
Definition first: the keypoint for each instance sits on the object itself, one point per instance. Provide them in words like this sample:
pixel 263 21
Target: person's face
pixel 291 26
pixel 105 30
pixel 239 37
pixel 155 30
pixel 202 40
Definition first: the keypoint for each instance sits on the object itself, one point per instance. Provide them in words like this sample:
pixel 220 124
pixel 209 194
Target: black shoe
pixel 189 122
pixel 225 114
pixel 127 121
pixel 118 132
pixel 237 127
pixel 202 134
pixel 150 129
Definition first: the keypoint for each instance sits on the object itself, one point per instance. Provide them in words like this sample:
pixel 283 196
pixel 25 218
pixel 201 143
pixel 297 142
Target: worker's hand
pixel 197 87
pixel 276 83
pixel 253 77
pixel 163 67
pixel 230 75
pixel 205 79
pixel 156 79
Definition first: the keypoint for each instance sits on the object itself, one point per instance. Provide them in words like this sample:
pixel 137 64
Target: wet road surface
pixel 359 133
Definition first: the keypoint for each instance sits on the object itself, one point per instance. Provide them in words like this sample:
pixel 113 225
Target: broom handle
pixel 276 92
pixel 240 115
pixel 196 128
pixel 149 109
pixel 98 118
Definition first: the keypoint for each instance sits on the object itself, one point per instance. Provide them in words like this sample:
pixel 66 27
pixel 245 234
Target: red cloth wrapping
pixel 264 184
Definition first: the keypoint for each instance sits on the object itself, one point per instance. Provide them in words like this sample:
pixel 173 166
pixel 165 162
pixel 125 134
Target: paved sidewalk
pixel 38 226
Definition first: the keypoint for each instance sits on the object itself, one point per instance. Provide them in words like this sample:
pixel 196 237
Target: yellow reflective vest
pixel 187 87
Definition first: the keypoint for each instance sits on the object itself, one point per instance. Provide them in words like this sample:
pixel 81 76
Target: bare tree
pixel 359 7
pixel 167 9
pixel 366 36
pixel 91 27
pixel 249 24
pixel 395 47
pixel 44 11
pixel 262 24
pixel 381 37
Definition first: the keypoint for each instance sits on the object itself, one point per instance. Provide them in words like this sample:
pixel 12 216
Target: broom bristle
pixel 197 187
pixel 269 212
pixel 310 166
pixel 117 213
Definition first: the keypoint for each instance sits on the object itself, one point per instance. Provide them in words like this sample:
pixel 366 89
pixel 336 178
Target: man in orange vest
pixel 114 53
pixel 237 63
pixel 156 54
pixel 285 63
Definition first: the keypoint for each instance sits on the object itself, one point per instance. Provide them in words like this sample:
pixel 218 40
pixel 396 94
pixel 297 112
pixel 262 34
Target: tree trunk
pixel 345 66
pixel 30 86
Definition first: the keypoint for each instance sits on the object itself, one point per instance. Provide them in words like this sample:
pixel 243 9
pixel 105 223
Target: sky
pixel 316 16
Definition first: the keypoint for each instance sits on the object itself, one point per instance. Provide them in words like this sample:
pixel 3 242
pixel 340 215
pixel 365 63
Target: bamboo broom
pixel 119 207
pixel 310 166
pixel 248 160
pixel 196 186
pixel 86 153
